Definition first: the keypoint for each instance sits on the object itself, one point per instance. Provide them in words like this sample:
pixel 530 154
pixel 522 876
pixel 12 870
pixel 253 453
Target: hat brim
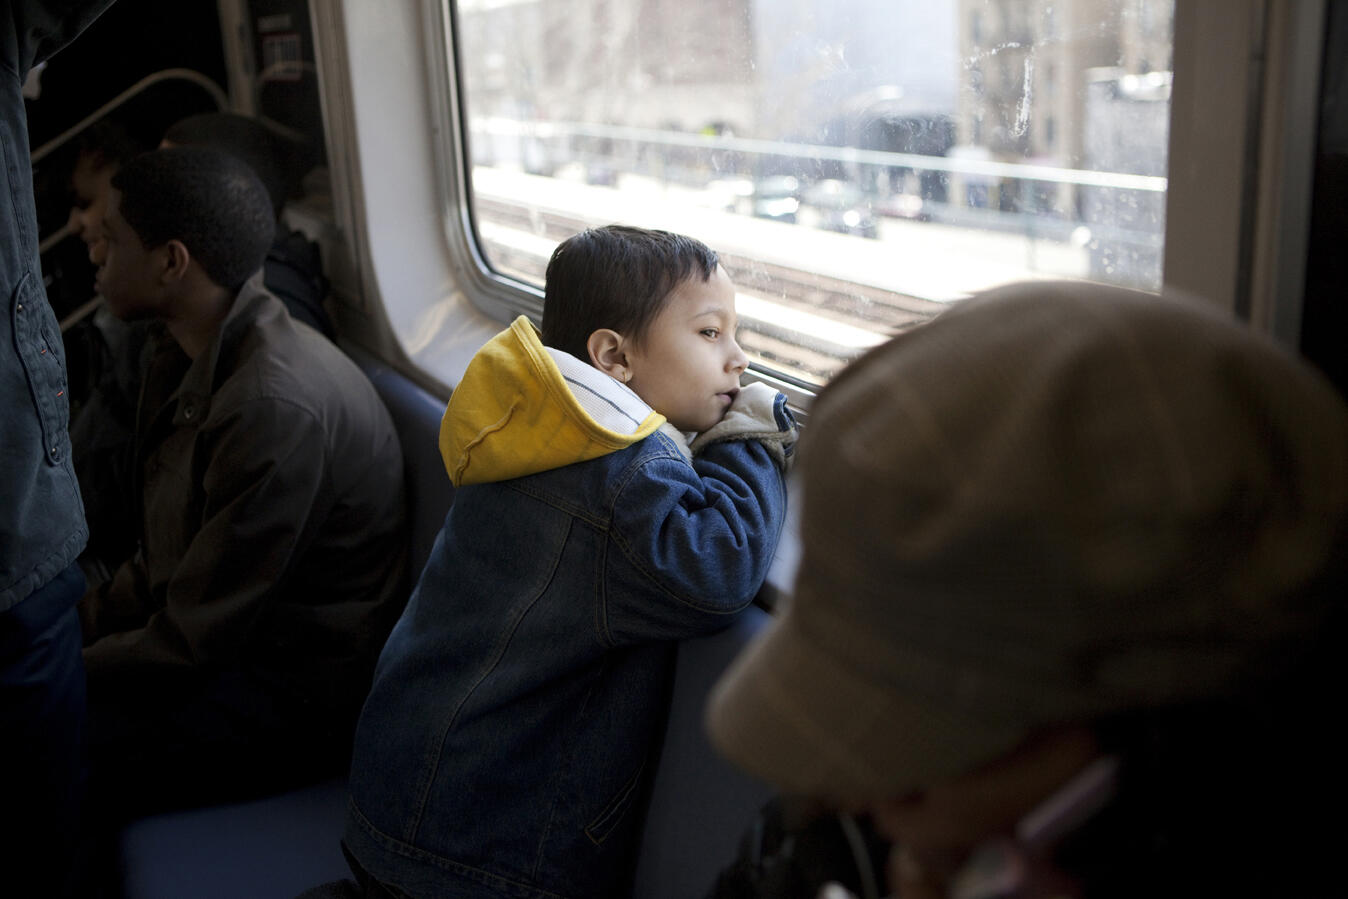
pixel 807 722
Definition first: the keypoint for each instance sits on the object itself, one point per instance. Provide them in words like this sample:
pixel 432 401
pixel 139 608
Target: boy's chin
pixel 697 427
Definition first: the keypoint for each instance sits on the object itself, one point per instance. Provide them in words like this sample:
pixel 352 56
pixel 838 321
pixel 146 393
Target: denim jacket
pixel 512 732
pixel 41 518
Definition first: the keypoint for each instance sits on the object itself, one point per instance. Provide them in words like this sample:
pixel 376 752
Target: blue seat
pixel 272 848
pixel 416 415
pixel 700 803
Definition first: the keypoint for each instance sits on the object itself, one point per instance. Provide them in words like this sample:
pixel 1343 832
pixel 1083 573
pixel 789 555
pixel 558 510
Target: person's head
pixel 1056 506
pixel 651 309
pixel 100 152
pixel 178 218
pixel 242 137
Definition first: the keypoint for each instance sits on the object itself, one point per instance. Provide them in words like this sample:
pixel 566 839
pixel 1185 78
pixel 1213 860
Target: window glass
pixel 858 164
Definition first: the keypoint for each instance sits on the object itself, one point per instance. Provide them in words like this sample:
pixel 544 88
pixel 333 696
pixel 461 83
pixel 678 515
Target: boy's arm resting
pixel 261 483
pixel 699 538
pixel 757 413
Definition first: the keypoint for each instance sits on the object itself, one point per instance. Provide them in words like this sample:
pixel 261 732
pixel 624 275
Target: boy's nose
pixel 738 361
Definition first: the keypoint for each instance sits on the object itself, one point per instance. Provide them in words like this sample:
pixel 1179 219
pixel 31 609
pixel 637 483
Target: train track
pixel 808 354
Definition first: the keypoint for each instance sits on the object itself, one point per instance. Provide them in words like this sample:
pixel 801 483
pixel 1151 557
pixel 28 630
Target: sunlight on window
pixel 858 164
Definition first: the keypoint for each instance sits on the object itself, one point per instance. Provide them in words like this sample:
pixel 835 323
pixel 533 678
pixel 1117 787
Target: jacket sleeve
pixel 42 27
pixel 262 482
pixel 695 542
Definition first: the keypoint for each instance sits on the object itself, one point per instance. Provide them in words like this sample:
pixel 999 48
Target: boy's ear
pixel 176 260
pixel 608 353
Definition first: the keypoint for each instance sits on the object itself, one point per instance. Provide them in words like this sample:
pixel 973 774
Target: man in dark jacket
pixel 231 654
pixel 42 526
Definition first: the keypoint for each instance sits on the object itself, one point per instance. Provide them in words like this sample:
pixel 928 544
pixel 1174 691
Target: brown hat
pixel 1055 502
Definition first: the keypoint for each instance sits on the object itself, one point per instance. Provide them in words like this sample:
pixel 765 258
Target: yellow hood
pixel 523 408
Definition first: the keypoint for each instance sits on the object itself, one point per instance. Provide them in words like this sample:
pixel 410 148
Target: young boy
pixel 511 734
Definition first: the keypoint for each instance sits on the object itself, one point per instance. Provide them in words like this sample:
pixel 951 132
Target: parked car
pixel 841 206
pixel 903 206
pixel 776 197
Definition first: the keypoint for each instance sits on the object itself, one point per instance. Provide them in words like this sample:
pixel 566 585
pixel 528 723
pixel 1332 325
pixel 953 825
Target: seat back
pixel 416 415
pixel 700 804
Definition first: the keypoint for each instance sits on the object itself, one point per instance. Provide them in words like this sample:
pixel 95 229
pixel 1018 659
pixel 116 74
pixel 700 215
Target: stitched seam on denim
pixel 45 570
pixel 563 774
pixel 26 332
pixel 424 788
pixel 654 577
pixel 616 810
pixel 555 502
pixel 407 850
pixel 601 592
pixel 667 450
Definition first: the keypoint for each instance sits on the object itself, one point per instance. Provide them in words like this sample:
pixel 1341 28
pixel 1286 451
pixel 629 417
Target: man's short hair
pixel 106 143
pixel 615 277
pixel 207 199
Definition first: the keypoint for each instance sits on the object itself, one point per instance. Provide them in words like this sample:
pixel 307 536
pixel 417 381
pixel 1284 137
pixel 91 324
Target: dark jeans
pixel 42 719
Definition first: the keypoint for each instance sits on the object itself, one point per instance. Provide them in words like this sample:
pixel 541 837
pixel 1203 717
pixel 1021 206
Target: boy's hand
pixel 757 413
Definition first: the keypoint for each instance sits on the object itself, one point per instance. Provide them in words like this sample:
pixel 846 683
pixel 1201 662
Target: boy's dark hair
pixel 615 277
pixel 207 199
pixel 242 137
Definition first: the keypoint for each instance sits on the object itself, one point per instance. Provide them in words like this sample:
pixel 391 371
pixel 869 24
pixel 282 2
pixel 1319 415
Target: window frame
pixel 1240 142
pixel 496 294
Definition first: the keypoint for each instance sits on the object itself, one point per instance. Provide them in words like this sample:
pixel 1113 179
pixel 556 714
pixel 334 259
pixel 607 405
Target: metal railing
pixel 216 92
pixel 544 131
pixel 192 76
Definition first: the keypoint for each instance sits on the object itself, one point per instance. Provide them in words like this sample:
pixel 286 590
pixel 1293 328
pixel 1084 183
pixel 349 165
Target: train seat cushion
pixel 273 847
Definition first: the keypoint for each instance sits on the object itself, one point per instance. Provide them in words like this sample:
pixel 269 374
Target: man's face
pixel 128 276
pixel 688 366
pixel 90 186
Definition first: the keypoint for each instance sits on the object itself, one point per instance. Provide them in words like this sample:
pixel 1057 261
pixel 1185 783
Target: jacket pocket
pixel 599 829
pixel 38 342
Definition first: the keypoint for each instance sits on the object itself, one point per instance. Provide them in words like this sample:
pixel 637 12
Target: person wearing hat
pixel 1072 582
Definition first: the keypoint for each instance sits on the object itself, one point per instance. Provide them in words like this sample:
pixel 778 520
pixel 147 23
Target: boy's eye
pixel 710 332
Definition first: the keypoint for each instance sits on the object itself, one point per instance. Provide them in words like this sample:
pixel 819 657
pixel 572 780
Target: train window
pixel 859 165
